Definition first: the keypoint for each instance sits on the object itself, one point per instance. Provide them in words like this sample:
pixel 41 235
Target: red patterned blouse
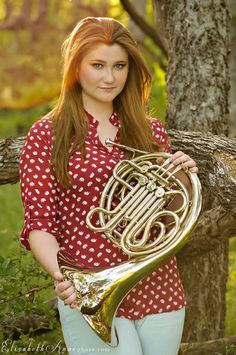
pixel 62 212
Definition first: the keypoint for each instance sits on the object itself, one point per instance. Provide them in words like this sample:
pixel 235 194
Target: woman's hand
pixel 65 290
pixel 187 163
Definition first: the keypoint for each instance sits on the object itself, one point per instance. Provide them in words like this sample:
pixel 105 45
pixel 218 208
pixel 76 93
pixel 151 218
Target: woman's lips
pixel 108 89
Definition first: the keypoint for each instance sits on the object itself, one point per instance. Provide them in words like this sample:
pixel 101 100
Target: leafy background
pixel 30 74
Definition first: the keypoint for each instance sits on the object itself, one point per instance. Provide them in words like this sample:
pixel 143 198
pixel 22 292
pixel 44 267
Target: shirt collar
pixel 114 120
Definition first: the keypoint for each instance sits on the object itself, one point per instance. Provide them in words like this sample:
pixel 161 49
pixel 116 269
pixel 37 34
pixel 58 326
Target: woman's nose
pixel 109 76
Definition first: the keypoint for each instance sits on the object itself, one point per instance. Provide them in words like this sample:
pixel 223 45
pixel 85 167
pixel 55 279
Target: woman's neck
pixel 102 111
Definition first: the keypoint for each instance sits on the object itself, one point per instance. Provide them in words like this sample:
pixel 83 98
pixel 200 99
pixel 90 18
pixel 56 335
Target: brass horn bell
pixel 145 190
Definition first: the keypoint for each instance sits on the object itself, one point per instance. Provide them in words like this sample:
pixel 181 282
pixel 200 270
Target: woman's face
pixel 103 73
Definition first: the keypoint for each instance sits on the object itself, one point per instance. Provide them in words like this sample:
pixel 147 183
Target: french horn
pixel 144 190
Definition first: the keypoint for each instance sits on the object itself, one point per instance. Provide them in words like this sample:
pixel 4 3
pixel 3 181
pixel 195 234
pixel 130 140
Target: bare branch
pixel 140 21
pixel 24 19
pixel 216 158
pixel 8 10
pixel 26 9
pixel 42 10
pixel 215 155
pixel 20 21
pixel 153 56
pixel 10 150
pixel 27 294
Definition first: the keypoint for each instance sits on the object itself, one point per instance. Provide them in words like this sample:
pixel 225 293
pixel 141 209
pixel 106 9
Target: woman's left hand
pixel 180 158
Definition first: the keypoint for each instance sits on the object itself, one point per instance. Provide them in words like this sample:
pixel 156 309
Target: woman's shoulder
pixel 156 123
pixel 42 129
pixel 159 130
pixel 42 125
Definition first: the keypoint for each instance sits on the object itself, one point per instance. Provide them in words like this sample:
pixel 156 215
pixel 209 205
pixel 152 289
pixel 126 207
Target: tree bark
pixel 214 155
pixel 197 87
pixel 10 150
pixel 197 77
pixel 216 159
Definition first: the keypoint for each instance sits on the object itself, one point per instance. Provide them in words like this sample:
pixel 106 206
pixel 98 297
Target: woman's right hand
pixel 65 290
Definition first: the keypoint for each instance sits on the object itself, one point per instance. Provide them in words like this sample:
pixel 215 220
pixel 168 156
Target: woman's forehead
pixel 104 52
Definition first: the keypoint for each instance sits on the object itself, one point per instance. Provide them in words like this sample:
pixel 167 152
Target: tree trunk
pixel 197 87
pixel 197 77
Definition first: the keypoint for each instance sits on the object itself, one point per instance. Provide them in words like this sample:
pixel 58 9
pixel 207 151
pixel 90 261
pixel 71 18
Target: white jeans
pixel 158 334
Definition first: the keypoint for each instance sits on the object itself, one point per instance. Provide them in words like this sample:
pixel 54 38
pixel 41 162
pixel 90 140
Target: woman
pixel 64 167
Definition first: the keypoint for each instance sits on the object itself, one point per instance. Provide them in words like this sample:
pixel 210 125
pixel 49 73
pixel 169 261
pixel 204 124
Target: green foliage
pixel 231 290
pixel 30 66
pixel 17 122
pixel 11 219
pixel 116 12
pixel 24 286
pixel 24 289
pixel 158 97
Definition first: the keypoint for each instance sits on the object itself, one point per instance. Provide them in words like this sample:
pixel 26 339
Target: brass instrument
pixel 144 189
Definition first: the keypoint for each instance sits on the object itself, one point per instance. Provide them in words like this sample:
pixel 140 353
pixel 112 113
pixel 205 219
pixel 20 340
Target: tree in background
pixel 198 87
pixel 194 35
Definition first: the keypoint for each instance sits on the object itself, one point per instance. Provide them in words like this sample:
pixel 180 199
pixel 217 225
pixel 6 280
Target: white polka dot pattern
pixel 62 212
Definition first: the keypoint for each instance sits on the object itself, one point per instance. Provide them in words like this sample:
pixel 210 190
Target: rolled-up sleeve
pixel 160 134
pixel 38 183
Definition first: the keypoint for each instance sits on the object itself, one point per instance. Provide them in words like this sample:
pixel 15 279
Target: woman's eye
pixel 97 66
pixel 120 66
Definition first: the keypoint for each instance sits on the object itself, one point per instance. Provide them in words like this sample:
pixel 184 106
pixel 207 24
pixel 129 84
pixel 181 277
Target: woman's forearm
pixel 44 247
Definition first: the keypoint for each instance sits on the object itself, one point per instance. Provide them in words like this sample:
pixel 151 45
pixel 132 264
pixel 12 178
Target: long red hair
pixel 69 119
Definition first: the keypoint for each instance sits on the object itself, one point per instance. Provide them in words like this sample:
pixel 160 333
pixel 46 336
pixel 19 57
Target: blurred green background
pixel 31 34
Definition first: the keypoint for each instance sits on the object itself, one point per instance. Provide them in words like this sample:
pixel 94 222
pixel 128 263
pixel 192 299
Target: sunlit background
pixel 31 34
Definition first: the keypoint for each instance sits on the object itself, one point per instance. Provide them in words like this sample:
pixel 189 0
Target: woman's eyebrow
pixel 97 60
pixel 103 61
